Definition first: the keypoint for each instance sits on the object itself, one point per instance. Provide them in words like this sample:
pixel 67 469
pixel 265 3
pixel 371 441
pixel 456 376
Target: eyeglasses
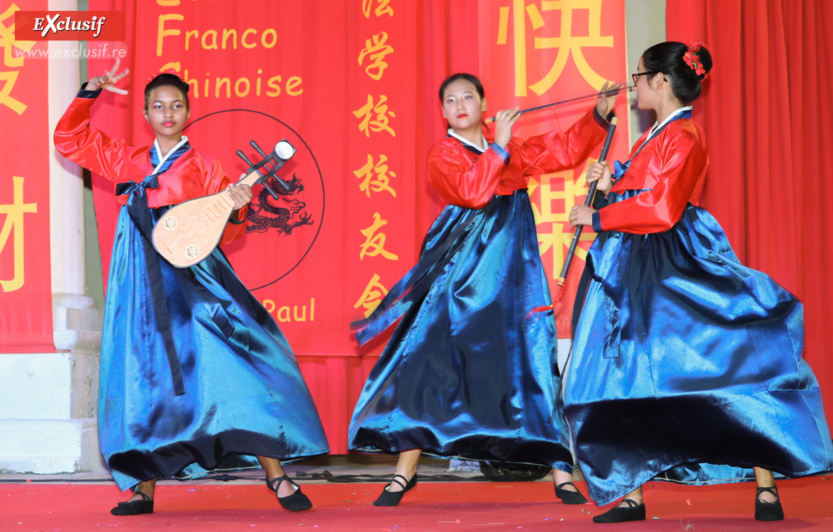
pixel 636 76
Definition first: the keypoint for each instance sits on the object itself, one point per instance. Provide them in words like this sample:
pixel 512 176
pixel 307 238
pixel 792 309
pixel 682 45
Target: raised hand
pixel 503 126
pixel 108 80
pixel 606 103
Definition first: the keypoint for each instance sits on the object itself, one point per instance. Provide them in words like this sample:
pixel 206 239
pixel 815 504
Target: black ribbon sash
pixel 139 212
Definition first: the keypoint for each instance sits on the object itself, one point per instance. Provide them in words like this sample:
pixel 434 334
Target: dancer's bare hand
pixel 606 103
pixel 108 80
pixel 503 126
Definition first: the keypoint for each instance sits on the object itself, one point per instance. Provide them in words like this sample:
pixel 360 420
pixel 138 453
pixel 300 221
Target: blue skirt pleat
pixel 684 358
pixel 244 393
pixel 464 373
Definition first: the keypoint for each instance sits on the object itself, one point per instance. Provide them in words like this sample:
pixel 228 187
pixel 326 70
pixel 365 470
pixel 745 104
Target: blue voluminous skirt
pixel 683 356
pixel 244 394
pixel 464 373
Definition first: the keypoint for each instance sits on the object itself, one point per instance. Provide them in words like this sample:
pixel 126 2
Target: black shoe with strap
pixel 569 496
pixel 392 498
pixel 768 511
pixel 295 502
pixel 620 514
pixel 137 507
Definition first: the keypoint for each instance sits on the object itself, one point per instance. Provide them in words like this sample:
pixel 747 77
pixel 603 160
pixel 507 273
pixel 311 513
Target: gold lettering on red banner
pixel 567 44
pixel 382 8
pixel 295 313
pixel 9 77
pixel 381 121
pixel 373 294
pixel 374 243
pixel 377 49
pixel 14 221
pixel 375 177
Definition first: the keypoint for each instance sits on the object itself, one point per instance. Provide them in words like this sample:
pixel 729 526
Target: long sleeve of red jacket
pixel 86 146
pixel 676 167
pixel 459 180
pixel 468 180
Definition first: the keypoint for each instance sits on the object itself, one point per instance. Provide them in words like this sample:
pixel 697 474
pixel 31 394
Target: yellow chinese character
pixel 374 243
pixel 382 8
pixel 554 231
pixel 381 122
pixel 5 93
pixel 381 181
pixel 373 294
pixel 14 220
pixel 567 44
pixel 376 47
pixel 7 41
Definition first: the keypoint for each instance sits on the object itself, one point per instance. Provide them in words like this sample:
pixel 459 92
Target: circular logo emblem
pixel 283 220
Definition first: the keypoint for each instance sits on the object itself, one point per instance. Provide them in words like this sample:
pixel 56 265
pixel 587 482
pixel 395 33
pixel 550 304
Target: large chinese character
pixel 377 48
pixel 374 243
pixel 381 122
pixel 14 220
pixel 382 8
pixel 377 182
pixel 9 78
pixel 7 42
pixel 373 294
pixel 558 193
pixel 566 43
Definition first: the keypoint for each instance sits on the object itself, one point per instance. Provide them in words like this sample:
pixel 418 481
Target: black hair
pixel 164 80
pixel 462 75
pixel 667 57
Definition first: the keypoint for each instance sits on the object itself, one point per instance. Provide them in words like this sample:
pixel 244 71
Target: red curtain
pixel 766 111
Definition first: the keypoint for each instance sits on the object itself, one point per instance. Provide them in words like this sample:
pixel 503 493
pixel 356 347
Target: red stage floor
pixel 440 506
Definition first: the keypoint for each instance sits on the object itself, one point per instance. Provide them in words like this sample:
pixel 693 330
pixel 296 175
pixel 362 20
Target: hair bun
pixel 698 59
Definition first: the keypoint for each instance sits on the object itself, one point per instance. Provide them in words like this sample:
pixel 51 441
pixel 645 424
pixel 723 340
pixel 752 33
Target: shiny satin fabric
pixel 244 393
pixel 683 356
pixel 193 175
pixel 464 374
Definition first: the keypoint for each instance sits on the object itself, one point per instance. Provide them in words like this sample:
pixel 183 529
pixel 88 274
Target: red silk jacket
pixel 467 179
pixel 191 176
pixel 673 166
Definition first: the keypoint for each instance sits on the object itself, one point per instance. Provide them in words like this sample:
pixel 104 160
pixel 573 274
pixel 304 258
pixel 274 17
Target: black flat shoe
pixel 145 506
pixel 392 498
pixel 295 502
pixel 620 514
pixel 768 511
pixel 568 496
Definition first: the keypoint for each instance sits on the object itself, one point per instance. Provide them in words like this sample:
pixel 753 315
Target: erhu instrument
pixel 189 232
pixel 562 279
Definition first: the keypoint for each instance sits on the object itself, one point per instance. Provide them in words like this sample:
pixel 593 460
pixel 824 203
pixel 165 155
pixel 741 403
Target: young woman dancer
pixel 195 374
pixel 465 374
pixel 682 355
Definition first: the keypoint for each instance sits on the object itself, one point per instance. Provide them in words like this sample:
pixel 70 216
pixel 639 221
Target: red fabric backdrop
pixel 766 112
pixel 25 271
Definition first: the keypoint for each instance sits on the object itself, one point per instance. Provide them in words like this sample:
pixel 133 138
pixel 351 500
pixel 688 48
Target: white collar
pixel 668 119
pixel 467 142
pixel 165 158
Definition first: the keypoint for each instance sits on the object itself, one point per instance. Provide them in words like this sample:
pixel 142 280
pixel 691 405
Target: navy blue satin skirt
pixel 683 356
pixel 464 373
pixel 244 393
